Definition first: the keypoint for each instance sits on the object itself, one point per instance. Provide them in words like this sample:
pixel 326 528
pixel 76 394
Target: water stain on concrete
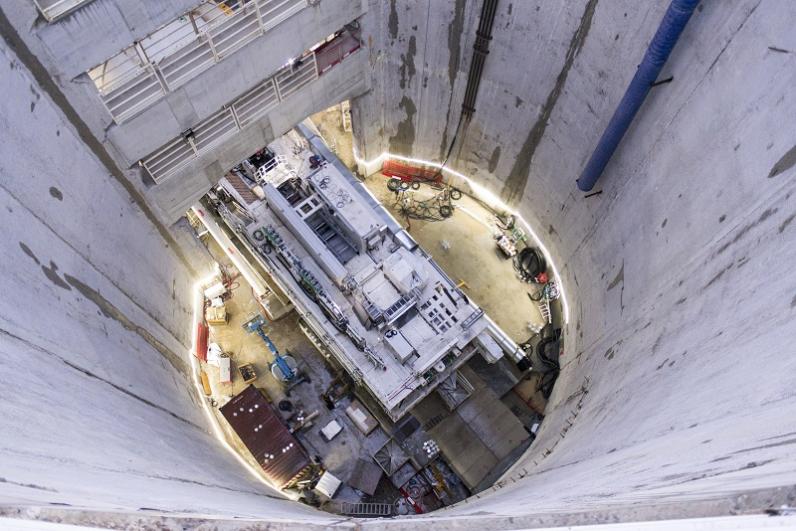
pixel 494 159
pixel 784 224
pixel 27 251
pixel 620 277
pixel 740 234
pixel 518 176
pixel 26 485
pixel 36 97
pixel 787 161
pixel 455 31
pixel 52 275
pixel 766 446
pixel 392 21
pixel 657 344
pixel 56 193
pixel 110 311
pixel 717 276
pixel 403 139
pixel 407 69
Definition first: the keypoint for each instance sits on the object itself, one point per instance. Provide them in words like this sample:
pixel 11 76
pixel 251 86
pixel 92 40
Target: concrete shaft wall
pixel 68 48
pixel 678 370
pixel 97 405
pixel 678 373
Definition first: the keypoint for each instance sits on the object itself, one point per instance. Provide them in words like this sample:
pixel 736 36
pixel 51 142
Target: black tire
pixel 394 184
pixel 415 185
pixel 258 235
pixel 455 194
pixel 524 364
pixel 445 211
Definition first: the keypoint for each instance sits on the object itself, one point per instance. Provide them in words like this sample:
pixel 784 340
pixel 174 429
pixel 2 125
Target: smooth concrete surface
pixel 678 274
pixel 69 47
pixel 179 191
pixel 676 396
pixel 97 400
pixel 205 94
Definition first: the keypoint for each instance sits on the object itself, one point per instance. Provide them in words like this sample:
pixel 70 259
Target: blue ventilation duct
pixel 669 31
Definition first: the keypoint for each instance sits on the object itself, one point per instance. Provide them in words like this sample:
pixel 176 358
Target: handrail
pixel 53 10
pixel 147 70
pixel 252 104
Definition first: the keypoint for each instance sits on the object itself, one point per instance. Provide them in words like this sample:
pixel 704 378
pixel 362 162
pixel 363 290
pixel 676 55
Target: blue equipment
pixel 255 325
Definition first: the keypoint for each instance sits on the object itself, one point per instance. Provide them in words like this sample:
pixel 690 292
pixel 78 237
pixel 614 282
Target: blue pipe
pixel 669 31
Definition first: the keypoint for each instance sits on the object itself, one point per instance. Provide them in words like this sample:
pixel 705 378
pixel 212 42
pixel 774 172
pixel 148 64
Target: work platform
pixel 375 301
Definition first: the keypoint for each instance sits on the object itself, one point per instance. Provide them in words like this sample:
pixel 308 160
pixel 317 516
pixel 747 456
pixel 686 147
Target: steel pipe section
pixel 672 25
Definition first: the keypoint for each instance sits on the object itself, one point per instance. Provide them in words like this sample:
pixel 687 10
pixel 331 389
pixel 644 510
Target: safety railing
pixel 144 72
pixel 55 9
pixel 232 118
pixel 248 107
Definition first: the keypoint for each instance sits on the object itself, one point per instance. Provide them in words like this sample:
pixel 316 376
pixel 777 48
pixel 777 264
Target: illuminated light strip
pixel 223 241
pixel 487 197
pixel 198 306
pixel 475 216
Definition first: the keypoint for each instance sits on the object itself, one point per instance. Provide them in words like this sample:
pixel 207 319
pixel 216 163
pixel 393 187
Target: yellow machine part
pixel 205 382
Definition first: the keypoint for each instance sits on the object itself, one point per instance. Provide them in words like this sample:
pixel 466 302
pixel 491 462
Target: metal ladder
pixel 366 509
pixel 544 309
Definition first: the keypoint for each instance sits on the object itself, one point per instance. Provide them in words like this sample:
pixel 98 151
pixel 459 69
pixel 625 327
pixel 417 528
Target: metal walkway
pixel 366 509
